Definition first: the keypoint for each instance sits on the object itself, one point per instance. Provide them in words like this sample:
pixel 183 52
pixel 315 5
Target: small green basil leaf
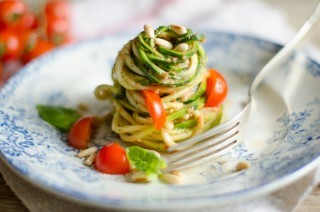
pixel 59 117
pixel 145 160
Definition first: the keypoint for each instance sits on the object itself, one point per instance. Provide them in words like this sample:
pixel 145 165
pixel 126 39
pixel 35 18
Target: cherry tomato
pixel 57 30
pixel 11 46
pixel 58 8
pixel 80 132
pixel 57 21
pixel 112 159
pixel 216 90
pixel 27 21
pixel 29 39
pixel 11 12
pixel 155 108
pixel 41 47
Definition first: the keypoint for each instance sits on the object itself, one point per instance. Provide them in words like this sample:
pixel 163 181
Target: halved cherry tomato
pixel 11 12
pixel 216 90
pixel 10 45
pixel 155 108
pixel 40 47
pixel 112 159
pixel 80 132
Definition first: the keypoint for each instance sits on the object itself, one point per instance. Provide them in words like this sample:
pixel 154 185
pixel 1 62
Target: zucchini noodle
pixel 178 76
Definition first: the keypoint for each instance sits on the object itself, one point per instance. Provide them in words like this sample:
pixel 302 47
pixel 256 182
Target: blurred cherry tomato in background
pixel 11 11
pixel 27 21
pixel 58 9
pixel 57 30
pixel 26 34
pixel 57 21
pixel 10 45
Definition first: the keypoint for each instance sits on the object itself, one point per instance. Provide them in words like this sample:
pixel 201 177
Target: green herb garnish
pixel 59 117
pixel 146 161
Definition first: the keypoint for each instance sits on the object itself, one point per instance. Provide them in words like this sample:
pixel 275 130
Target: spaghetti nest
pixel 172 64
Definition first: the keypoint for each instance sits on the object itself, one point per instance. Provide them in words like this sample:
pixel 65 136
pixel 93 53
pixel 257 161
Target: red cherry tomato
pixel 58 8
pixel 57 21
pixel 29 39
pixel 10 45
pixel 41 47
pixel 27 21
pixel 155 108
pixel 216 90
pixel 80 132
pixel 112 159
pixel 11 12
pixel 58 30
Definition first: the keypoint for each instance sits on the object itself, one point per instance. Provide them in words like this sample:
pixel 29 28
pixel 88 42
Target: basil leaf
pixel 145 160
pixel 59 117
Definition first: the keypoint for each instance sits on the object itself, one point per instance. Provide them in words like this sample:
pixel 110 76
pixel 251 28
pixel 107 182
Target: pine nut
pixel 87 152
pixel 242 165
pixel 89 161
pixel 182 47
pixel 180 30
pixel 174 177
pixel 139 177
pixel 148 30
pixel 164 43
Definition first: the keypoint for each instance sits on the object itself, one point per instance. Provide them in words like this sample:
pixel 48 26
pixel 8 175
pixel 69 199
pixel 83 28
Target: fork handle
pixel 286 50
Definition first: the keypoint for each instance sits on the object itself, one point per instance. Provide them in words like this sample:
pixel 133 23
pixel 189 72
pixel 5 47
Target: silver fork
pixel 220 139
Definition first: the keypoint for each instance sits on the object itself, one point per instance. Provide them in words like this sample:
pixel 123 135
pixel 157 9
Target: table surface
pixel 10 203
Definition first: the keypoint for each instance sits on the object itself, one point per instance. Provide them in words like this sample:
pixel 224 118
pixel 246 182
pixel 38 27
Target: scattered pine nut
pixel 180 30
pixel 139 177
pixel 174 177
pixel 89 161
pixel 83 107
pixel 87 152
pixel 242 165
pixel 164 43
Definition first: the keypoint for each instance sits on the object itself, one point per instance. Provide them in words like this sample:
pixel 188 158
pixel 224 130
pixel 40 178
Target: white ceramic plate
pixel 282 141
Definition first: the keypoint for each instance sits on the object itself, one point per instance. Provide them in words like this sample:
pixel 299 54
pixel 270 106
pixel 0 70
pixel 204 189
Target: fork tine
pixel 213 151
pixel 203 151
pixel 214 140
pixel 214 131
